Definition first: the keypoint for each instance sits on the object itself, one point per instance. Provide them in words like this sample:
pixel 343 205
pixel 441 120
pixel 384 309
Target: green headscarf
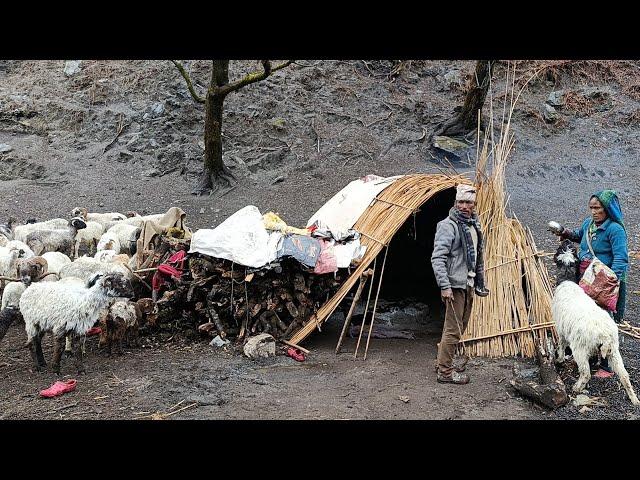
pixel 611 203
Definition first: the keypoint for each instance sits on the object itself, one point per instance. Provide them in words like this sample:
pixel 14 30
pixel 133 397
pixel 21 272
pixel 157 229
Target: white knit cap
pixel 466 192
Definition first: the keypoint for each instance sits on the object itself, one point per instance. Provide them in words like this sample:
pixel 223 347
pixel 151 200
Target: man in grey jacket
pixel 458 264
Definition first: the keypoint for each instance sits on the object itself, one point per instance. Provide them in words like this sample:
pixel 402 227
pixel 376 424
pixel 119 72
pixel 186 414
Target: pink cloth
pixel 167 270
pixel 327 262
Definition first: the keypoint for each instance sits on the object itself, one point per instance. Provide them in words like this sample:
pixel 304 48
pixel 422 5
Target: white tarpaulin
pixel 344 209
pixel 241 238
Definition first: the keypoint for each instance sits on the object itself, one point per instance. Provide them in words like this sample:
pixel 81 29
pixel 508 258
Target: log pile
pixel 221 298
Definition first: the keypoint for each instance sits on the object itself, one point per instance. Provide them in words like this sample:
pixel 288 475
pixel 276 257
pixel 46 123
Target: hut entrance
pixel 409 293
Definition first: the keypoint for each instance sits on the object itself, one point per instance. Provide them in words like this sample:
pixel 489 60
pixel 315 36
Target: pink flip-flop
pixel 296 354
pixel 94 331
pixel 59 388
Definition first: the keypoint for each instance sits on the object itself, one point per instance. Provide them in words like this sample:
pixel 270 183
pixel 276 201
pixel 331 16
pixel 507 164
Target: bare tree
pixel 467 118
pixel 215 171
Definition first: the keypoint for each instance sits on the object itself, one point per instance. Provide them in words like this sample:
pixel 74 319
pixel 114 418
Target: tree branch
pixel 187 79
pixel 254 77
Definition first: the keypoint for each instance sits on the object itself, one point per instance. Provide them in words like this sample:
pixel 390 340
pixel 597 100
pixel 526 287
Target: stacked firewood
pixel 226 299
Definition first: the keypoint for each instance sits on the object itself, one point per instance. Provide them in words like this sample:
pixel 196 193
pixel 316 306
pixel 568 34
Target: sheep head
pixel 566 260
pixel 78 223
pixel 114 284
pixel 79 212
pixel 31 269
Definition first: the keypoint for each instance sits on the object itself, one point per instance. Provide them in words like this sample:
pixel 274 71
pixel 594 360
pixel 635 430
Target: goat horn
pixel 48 273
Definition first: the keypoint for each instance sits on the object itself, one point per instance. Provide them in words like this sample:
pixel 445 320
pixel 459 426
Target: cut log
pixel 550 391
pixel 548 395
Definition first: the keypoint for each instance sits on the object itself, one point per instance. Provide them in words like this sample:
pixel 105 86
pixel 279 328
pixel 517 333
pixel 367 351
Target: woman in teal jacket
pixel 608 235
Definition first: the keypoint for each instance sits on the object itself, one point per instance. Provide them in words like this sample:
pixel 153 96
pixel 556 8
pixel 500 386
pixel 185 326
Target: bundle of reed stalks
pixel 518 310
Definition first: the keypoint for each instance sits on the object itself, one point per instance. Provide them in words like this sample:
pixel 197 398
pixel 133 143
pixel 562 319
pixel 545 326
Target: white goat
pixel 67 307
pixel 583 326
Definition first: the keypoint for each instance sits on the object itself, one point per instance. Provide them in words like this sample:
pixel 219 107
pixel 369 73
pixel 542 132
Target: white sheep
pixel 67 307
pixel 11 294
pixel 9 261
pixel 109 241
pixel 101 218
pixel 20 245
pixel 85 267
pixel 55 262
pixel 137 220
pixel 20 232
pixel 125 234
pixel 583 326
pixel 90 235
pixel 56 240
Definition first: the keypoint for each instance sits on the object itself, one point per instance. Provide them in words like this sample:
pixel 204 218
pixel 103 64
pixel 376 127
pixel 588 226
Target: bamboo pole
pixel 356 297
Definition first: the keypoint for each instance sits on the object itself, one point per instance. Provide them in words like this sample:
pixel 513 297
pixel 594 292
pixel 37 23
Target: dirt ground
pixel 293 141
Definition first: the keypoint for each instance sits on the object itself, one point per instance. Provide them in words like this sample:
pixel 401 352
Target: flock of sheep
pixel 56 290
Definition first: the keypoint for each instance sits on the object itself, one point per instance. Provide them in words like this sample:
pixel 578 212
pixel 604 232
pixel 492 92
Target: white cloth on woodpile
pixel 241 238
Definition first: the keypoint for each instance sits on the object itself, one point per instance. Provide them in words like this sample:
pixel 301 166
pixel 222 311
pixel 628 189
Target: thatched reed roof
pixel 378 224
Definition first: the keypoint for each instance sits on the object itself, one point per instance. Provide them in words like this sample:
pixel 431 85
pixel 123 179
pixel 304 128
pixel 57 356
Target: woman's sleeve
pixel 574 235
pixel 620 251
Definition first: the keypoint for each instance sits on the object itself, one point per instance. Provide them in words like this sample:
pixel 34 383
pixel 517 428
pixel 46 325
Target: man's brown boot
pixel 459 364
pixel 455 377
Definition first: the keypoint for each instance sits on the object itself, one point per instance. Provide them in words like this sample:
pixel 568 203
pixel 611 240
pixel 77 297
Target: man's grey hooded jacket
pixel 448 259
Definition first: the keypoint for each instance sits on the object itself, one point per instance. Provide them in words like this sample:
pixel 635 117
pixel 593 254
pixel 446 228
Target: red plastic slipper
pixel 94 331
pixel 59 388
pixel 603 374
pixel 296 354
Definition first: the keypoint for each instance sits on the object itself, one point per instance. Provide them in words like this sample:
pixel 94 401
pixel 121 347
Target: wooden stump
pixel 550 391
